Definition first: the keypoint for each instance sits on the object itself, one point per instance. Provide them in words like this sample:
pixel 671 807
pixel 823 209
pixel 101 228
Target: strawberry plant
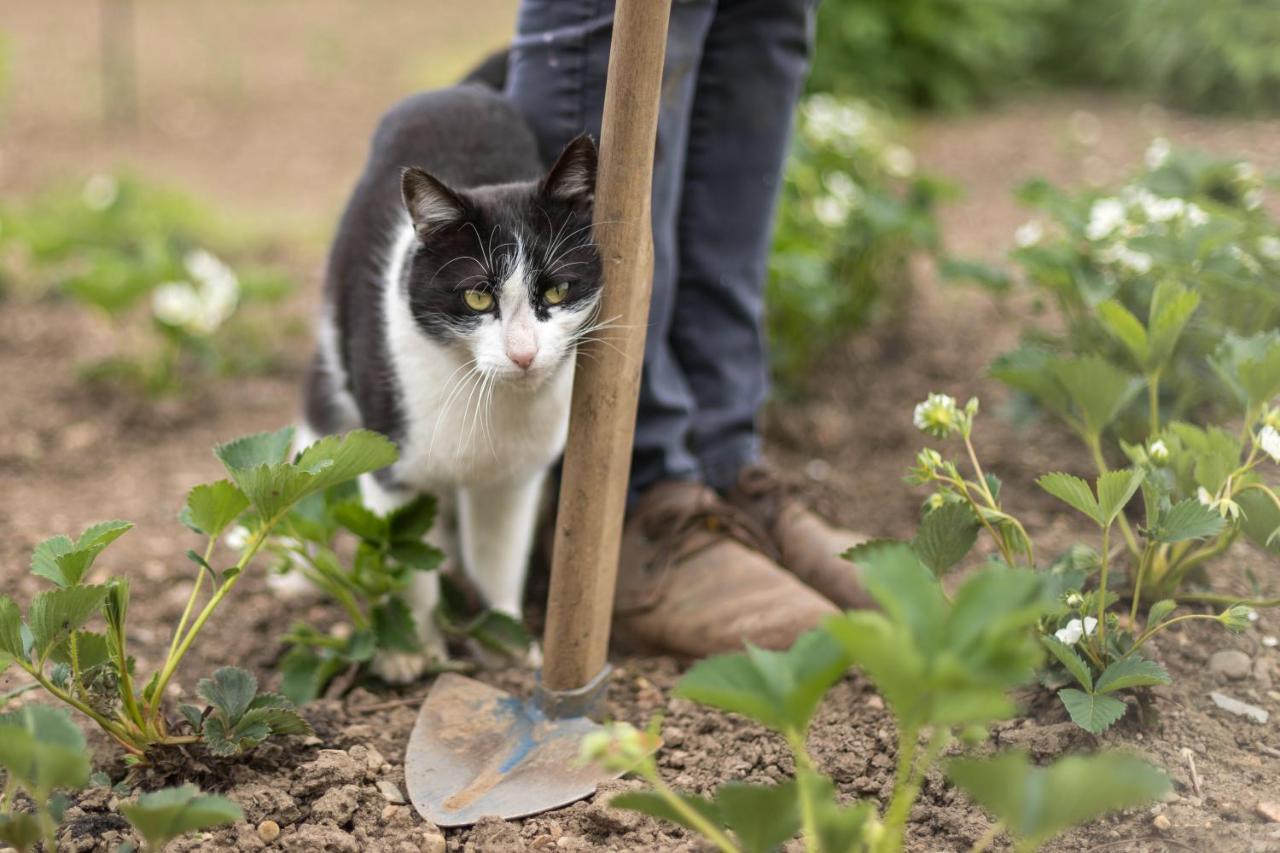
pixel 1099 651
pixel 161 816
pixel 368 586
pixel 93 672
pixel 943 664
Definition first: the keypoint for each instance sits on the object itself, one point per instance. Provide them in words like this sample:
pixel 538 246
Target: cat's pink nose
pixel 522 358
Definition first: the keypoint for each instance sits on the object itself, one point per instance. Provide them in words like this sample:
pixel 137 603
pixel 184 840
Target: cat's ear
pixel 430 203
pixel 573 177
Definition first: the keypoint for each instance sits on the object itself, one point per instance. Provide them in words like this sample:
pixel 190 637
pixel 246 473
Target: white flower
pixel 237 537
pixel 176 303
pixel 1269 441
pixel 1202 495
pixel 1159 450
pixel 1164 209
pixel 1137 262
pixel 1270 248
pixel 899 161
pixel 1028 234
pixel 1253 199
pixel 1075 630
pixel 1245 172
pixel 1105 217
pixel 100 192
pixel 830 211
pixel 1195 215
pixel 1157 153
pixel 937 415
pixel 1270 641
pixel 830 121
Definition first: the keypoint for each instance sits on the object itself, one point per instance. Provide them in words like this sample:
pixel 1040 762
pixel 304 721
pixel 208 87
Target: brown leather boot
pixel 798 538
pixel 692 583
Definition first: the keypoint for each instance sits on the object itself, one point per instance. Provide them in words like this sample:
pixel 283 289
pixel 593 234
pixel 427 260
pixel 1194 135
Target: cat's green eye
pixel 556 293
pixel 478 300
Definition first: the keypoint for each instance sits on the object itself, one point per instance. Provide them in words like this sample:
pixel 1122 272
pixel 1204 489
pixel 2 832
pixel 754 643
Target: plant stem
pixel 695 818
pixel 191 600
pixel 1153 401
pixel 1095 450
pixel 107 725
pixel 1180 568
pixel 1137 582
pixel 808 814
pixel 1151 632
pixel 1102 590
pixel 1229 600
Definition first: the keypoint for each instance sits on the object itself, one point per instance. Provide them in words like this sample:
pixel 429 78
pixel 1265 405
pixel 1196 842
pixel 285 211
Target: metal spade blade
pixel 477 751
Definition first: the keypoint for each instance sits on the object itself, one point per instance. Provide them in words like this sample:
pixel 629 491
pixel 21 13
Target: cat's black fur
pixel 482 159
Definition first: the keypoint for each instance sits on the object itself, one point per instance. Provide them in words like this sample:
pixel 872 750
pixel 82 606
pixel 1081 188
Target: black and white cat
pixel 460 282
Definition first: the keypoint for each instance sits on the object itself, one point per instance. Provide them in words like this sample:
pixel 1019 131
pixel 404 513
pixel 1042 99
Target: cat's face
pixel 507 276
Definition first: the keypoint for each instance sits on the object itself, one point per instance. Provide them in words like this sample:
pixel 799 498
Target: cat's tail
pixel 491 72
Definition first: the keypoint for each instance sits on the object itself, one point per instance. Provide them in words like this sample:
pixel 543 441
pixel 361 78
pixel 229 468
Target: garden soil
pixel 71 453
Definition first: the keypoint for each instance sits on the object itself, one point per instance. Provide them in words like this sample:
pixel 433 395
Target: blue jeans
pixel 733 73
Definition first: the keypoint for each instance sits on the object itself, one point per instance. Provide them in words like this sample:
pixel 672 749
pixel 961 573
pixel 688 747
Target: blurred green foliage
pixel 854 209
pixel 116 242
pixel 932 54
pixel 1211 56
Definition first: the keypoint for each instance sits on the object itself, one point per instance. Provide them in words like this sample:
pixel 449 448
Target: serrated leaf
pixel 43 749
pixel 1074 492
pixel 11 629
pixel 418 556
pixel 346 457
pixel 1250 366
pixel 91 650
pixel 500 632
pixel 1091 712
pixel 945 536
pixel 781 690
pixel 1098 389
pixel 1131 672
pixel 192 715
pixel 1261 520
pixel 212 507
pixel 838 827
pixel 54 614
pixel 203 564
pixel 279 720
pixel 1115 490
pixel 1187 519
pixel 64 562
pixel 226 741
pixel 654 805
pixel 1073 662
pixel 394 626
pixel 414 520
pixel 1159 611
pixel 103 533
pixel 363 522
pixel 230 690
pixel 1037 803
pixel 762 817
pixel 1026 369
pixel 1171 308
pixel 1125 328
pixel 251 451
pixel 167 814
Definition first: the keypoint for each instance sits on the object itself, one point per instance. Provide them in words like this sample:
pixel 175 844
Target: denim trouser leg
pixel 556 77
pixel 754 62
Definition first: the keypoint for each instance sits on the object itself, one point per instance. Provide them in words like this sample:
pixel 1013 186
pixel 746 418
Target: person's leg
pixel 556 78
pixel 753 66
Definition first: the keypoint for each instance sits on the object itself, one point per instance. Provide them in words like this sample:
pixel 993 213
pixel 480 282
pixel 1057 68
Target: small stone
pixel 1270 642
pixel 1242 709
pixel 1232 663
pixel 875 702
pixel 1162 823
pixel 268 831
pixel 374 760
pixel 1270 809
pixel 432 840
pixel 390 792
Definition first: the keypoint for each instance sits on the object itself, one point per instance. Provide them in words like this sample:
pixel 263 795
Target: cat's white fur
pixel 480 433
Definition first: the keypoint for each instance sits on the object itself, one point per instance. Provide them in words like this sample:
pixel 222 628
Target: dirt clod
pixel 1270 809
pixel 1231 663
pixel 1162 823
pixel 337 805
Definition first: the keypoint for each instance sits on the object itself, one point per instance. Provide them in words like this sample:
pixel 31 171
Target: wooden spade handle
pixel 597 462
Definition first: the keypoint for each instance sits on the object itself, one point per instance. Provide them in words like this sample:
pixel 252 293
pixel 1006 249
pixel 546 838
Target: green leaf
pixel 43 749
pixel 20 831
pixel 231 690
pixel 167 814
pixel 91 650
pixel 1027 369
pixel 1037 803
pixel 1067 657
pixel 1091 712
pixel 414 520
pixel 778 689
pixel 64 562
pixel 1250 366
pixel 1115 490
pixel 500 632
pixel 1261 520
pixel 655 805
pixel 56 613
pixel 1159 611
pixel 251 451
pixel 1074 492
pixel 1131 672
pixel 225 741
pixel 1098 389
pixel 115 611
pixel 763 817
pixel 394 627
pixel 103 533
pixel 212 507
pixel 363 522
pixel 945 535
pixel 11 629
pixel 418 556
pixel 346 457
pixel 838 827
pixel 907 591
pixel 1171 307
pixel 1187 519
pixel 1125 328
